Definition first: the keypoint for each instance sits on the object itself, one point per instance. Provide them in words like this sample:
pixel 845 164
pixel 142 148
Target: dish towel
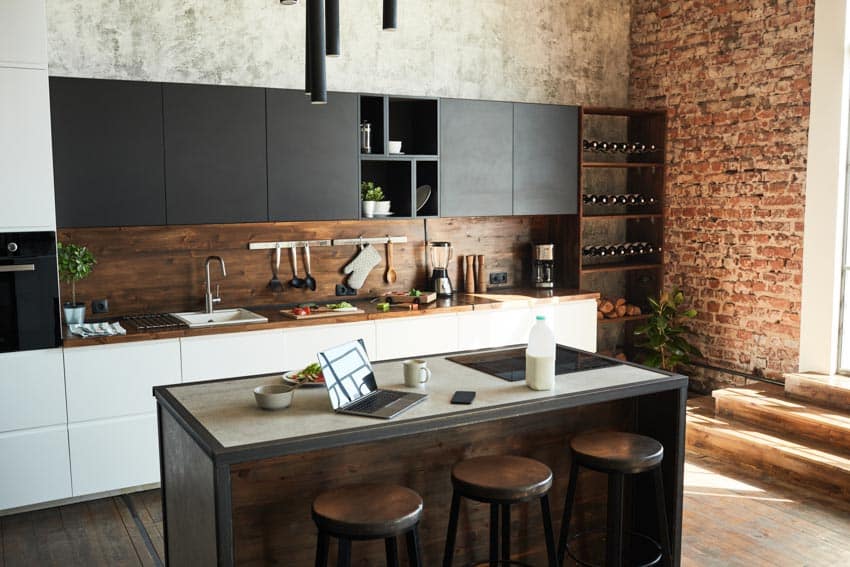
pixel 360 267
pixel 97 329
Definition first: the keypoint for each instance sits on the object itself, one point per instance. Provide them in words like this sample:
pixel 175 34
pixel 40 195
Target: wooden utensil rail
pixel 334 242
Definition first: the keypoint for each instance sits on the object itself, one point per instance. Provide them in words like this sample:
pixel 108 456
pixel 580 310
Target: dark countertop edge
pixel 497 299
pixel 384 429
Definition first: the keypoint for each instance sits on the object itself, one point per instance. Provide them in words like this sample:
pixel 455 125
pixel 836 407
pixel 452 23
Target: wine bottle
pixel 602 199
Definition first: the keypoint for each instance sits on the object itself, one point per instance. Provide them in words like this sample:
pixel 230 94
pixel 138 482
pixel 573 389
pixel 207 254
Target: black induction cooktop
pixel 509 364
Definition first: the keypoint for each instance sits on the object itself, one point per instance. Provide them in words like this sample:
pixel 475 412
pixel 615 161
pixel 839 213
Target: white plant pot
pixel 382 207
pixel 75 313
pixel 369 209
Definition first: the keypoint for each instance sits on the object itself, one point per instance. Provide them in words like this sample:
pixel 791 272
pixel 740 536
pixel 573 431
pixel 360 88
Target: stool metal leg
pixel 322 550
pixel 506 532
pixel 568 510
pixel 661 508
pixel 344 555
pixel 494 535
pixel 392 551
pixel 451 533
pixel 547 530
pixel 614 541
pixel 414 554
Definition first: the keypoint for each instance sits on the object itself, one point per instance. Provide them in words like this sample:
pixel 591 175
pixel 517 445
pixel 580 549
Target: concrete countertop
pixel 496 299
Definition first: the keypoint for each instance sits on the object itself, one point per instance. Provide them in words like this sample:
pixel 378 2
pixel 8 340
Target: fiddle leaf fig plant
pixel 75 264
pixel 371 192
pixel 663 336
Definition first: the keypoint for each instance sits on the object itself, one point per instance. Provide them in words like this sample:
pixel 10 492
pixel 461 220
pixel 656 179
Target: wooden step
pixel 789 458
pixel 830 391
pixel 767 406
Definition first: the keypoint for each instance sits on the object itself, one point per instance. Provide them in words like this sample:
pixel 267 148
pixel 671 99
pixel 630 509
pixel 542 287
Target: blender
pixel 441 255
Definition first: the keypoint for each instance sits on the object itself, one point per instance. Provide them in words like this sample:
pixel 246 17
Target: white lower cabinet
pixel 511 326
pixel 111 454
pixel 231 355
pixel 32 389
pixel 416 336
pixel 34 466
pixel 304 344
pixel 575 324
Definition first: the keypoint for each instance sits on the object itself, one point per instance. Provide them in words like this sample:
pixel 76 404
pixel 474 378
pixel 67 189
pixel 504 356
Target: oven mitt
pixel 361 265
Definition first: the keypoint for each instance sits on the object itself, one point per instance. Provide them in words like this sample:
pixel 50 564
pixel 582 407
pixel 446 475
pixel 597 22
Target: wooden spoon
pixel 390 276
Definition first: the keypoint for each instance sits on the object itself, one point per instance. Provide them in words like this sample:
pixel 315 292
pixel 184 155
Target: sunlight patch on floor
pixel 697 477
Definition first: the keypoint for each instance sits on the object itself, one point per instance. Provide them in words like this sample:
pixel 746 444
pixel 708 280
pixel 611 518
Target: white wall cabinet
pixel 32 389
pixel 416 336
pixel 23 34
pixel 116 380
pixel 234 354
pixel 303 344
pixel 26 163
pixel 111 454
pixel 34 466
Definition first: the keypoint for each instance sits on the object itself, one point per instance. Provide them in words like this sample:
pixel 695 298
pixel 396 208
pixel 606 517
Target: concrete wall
pixel 553 51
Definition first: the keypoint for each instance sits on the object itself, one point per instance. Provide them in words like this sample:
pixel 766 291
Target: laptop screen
pixel 348 373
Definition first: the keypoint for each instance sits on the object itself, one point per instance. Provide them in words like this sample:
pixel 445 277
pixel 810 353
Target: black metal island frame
pixel 238 481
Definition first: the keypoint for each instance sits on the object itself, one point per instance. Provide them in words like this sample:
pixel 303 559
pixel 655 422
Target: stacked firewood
pixel 607 308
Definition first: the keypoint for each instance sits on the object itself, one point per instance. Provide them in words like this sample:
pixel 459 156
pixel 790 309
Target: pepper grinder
pixel 469 280
pixel 482 276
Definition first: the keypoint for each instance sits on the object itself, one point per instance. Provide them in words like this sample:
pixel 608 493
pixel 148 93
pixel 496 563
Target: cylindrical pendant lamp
pixel 390 14
pixel 332 27
pixel 307 80
pixel 318 81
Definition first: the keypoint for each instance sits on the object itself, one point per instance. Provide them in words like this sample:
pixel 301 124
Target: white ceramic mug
pixel 416 373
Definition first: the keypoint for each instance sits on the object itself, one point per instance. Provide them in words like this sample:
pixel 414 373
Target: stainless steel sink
pixel 220 317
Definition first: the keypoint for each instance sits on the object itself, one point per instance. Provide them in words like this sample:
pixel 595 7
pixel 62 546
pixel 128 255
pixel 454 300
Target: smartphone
pixel 463 397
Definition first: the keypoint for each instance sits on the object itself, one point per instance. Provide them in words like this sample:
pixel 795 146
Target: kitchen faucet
pixel 209 300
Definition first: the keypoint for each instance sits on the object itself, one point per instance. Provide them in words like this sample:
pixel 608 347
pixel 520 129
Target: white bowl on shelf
pixel 394 146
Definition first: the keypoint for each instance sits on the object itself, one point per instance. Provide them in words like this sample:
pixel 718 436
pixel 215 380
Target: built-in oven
pixel 29 291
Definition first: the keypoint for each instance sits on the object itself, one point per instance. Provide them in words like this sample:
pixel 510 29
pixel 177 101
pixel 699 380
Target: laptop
pixel 351 384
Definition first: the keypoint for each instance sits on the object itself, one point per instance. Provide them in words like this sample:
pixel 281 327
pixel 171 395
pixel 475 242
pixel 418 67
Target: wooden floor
pixel 729 519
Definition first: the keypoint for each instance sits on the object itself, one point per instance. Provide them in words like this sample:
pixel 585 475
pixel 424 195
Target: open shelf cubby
pixel 372 111
pixel 427 173
pixel 395 177
pixel 413 122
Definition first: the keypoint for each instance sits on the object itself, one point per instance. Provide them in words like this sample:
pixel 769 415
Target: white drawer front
pixel 235 354
pixel 416 336
pixel 475 330
pixel 114 380
pixel 34 466
pixel 32 389
pixel 303 345
pixel 511 326
pixel 575 324
pixel 111 454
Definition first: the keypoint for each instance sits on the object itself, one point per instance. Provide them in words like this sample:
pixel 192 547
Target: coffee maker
pixel 441 255
pixel 543 265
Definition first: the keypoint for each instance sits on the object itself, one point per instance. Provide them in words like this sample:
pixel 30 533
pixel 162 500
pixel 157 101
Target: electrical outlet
pixel 100 306
pixel 343 290
pixel 498 278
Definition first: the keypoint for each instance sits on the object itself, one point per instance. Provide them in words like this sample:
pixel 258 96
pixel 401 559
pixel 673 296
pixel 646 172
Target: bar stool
pixel 368 511
pixel 500 481
pixel 616 454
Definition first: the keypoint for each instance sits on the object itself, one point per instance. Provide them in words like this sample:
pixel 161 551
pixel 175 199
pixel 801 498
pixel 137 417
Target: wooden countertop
pixel 498 299
pixel 227 422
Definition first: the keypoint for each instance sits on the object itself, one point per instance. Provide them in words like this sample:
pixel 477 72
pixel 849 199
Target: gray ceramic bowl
pixel 274 396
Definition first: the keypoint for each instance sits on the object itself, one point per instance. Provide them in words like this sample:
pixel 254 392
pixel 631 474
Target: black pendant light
pixel 332 27
pixel 390 14
pixel 307 26
pixel 318 81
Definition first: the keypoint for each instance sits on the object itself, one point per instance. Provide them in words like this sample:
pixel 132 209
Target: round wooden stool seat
pixel 503 478
pixel 612 451
pixel 367 511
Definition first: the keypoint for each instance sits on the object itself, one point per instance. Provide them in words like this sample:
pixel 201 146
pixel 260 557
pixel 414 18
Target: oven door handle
pixel 17 268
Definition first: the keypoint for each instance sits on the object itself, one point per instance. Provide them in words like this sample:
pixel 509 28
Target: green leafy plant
pixel 75 264
pixel 663 335
pixel 371 192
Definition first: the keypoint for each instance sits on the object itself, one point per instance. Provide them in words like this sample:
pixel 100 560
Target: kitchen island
pixel 238 481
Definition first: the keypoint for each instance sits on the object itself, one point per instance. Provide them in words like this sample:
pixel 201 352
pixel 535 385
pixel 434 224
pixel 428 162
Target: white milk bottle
pixel 540 356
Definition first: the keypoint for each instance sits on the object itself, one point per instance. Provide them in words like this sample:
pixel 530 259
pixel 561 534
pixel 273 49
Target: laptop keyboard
pixel 380 399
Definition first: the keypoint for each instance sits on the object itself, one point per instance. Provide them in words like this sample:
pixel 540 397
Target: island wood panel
pixel 161 268
pixel 271 499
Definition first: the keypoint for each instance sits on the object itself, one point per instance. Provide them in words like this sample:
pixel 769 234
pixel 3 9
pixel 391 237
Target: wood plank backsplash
pixel 161 268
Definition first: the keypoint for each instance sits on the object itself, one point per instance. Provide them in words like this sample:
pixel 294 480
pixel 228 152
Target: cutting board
pixel 321 312
pixel 403 297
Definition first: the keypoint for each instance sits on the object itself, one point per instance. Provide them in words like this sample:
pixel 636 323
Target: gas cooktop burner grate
pixel 154 321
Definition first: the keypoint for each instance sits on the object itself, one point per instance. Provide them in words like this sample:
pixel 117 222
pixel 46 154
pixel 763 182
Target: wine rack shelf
pixel 625 164
pixel 624 216
pixel 621 266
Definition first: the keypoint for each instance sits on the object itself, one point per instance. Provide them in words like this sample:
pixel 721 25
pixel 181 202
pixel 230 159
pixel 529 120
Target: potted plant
pixel 373 200
pixel 75 264
pixel 663 335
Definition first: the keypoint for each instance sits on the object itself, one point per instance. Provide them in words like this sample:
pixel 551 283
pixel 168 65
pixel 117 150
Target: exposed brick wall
pixel 736 78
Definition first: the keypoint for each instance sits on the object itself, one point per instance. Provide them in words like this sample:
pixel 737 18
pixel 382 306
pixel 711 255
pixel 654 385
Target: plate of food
pixel 308 377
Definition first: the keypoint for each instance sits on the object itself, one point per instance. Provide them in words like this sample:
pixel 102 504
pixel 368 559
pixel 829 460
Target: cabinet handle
pixel 17 268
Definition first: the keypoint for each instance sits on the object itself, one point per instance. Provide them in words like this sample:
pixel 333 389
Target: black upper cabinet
pixel 312 157
pixel 476 147
pixel 215 154
pixel 545 159
pixel 107 152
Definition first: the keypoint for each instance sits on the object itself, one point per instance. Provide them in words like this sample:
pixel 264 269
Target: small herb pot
pixel 75 313
pixel 369 209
